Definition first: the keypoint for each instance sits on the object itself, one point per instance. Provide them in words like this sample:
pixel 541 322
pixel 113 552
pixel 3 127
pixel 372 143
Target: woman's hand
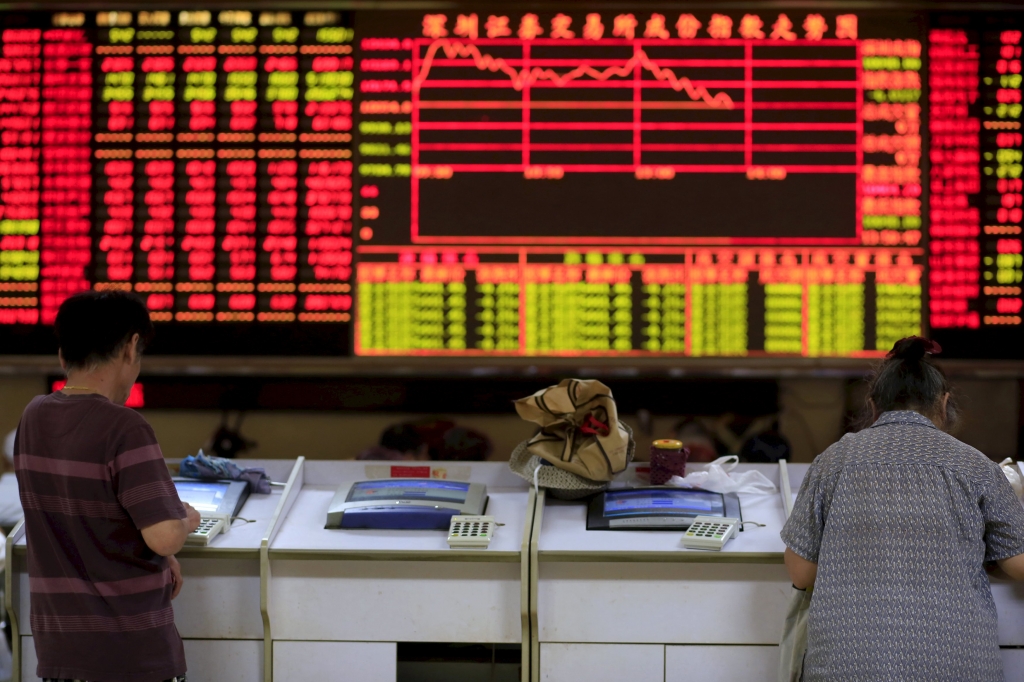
pixel 176 579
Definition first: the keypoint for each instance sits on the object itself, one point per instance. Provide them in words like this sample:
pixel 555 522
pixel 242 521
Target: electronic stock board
pixel 492 180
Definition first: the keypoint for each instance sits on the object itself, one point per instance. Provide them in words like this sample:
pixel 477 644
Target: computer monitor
pixel 408 503
pixel 657 508
pixel 222 499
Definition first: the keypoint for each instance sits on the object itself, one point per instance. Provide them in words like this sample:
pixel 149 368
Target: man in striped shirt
pixel 102 517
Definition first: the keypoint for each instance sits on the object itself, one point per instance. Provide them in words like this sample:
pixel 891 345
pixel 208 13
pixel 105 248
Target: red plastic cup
pixel 668 459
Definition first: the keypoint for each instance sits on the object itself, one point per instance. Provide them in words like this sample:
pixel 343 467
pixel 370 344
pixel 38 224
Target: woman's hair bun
pixel 914 348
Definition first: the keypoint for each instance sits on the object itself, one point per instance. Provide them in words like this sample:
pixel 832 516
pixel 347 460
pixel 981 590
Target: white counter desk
pixel 284 599
pixel 615 605
pixel 636 605
pixel 341 599
pixel 218 611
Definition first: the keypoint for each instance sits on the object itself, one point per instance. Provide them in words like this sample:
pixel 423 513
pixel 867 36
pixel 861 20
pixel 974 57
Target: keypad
pixel 705 533
pixel 470 531
pixel 204 534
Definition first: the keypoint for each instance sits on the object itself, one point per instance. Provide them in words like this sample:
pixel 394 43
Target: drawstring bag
pixel 560 483
pixel 581 445
pixel 580 429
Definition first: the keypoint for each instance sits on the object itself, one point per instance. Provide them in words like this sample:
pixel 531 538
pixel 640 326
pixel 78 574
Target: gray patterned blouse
pixel 900 519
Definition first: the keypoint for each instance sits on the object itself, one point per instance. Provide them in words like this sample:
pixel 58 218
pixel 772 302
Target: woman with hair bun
pixel 892 528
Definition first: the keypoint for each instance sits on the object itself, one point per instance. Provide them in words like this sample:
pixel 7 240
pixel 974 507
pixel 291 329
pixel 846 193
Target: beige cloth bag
pixel 580 429
pixel 793 646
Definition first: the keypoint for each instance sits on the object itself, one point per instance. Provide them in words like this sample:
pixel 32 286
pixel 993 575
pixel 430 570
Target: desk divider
pixel 538 518
pixel 288 497
pixel 16 534
pixel 524 578
pixel 784 488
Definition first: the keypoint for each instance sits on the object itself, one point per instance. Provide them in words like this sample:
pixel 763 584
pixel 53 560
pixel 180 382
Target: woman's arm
pixel 801 571
pixel 1013 566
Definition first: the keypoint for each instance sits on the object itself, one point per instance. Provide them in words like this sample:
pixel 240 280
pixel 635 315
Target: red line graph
pixel 652 109
pixel 543 87
pixel 525 77
pixel 597 125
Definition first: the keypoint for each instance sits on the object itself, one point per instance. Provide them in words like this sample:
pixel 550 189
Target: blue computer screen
pixel 392 489
pixel 645 502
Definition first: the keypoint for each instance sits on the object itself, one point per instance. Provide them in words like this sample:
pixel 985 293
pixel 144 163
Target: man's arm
pixel 802 572
pixel 144 488
pixel 168 537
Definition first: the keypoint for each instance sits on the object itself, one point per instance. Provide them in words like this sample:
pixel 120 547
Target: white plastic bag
pixel 1013 476
pixel 716 478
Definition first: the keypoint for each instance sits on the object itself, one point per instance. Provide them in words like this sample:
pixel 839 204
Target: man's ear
pixel 874 410
pixel 131 350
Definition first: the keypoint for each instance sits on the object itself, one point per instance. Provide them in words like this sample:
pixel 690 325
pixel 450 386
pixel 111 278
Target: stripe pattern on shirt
pixel 91 476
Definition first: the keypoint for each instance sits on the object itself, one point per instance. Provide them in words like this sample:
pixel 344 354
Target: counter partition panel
pixel 288 497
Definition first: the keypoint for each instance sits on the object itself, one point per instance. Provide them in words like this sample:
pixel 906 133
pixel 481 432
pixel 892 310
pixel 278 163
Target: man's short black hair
pixel 93 327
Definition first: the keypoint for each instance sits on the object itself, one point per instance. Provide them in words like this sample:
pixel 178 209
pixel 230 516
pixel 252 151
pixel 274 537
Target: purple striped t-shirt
pixel 91 475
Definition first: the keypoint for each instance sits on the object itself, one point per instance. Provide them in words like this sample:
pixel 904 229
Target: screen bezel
pixel 476 502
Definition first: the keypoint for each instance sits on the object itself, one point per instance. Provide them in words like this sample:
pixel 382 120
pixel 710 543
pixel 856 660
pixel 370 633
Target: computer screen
pixel 502 179
pixel 203 496
pixel 646 502
pixel 390 490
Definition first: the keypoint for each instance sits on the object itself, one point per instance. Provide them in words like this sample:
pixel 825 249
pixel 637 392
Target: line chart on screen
pixel 548 121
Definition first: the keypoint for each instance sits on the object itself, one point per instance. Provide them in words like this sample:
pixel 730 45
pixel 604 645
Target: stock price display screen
pixel 490 180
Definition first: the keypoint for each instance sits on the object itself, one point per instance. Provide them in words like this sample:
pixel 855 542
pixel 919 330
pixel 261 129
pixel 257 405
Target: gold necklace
pixel 77 388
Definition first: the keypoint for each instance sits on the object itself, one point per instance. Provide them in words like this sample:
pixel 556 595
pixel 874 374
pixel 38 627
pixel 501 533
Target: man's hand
pixel 192 518
pixel 176 579
pixel 166 538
